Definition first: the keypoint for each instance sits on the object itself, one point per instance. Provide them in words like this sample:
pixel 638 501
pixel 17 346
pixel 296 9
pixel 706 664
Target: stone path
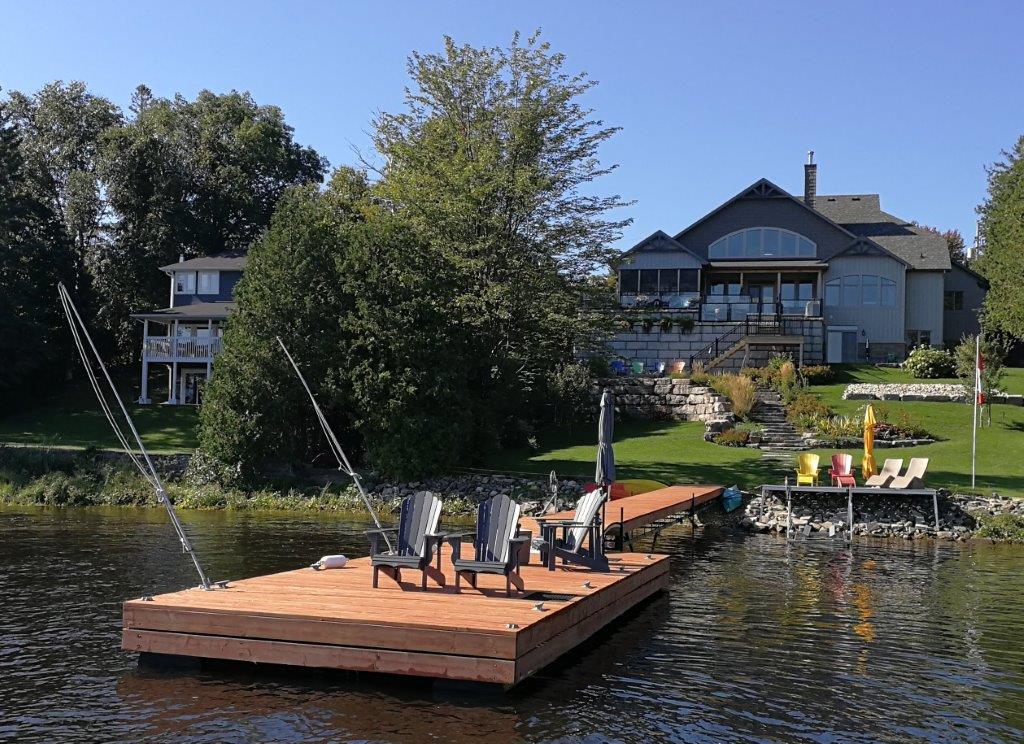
pixel 779 435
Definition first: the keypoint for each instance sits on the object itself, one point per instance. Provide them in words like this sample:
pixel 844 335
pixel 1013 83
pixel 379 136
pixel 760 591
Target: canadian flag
pixel 979 367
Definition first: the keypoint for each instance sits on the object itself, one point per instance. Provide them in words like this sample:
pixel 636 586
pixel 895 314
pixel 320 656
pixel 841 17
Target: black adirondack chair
pixel 581 540
pixel 495 544
pixel 417 541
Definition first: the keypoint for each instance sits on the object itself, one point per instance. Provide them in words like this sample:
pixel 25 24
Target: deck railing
pixel 180 347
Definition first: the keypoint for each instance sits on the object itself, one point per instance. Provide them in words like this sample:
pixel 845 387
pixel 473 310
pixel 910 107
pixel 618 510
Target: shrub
pixel 902 425
pixel 838 427
pixel 805 410
pixel 732 438
pixel 926 363
pixel 599 367
pixel 738 389
pixel 993 350
pixel 1002 527
pixel 570 386
pixel 818 374
pixel 751 427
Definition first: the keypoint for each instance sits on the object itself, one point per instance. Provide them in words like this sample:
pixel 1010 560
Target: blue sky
pixel 907 99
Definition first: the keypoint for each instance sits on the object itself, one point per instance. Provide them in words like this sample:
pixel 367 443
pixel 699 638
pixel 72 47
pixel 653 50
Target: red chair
pixel 842 470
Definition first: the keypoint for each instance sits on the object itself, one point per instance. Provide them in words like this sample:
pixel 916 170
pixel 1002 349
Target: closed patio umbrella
pixel 605 474
pixel 867 463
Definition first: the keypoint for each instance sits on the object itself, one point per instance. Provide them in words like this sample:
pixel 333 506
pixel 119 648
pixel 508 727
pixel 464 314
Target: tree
pixel 994 350
pixel 1002 231
pixel 189 178
pixel 34 257
pixel 61 126
pixel 493 162
pixel 359 299
pixel 254 409
pixel 954 242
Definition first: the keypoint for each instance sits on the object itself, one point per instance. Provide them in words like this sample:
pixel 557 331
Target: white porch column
pixel 172 384
pixel 144 388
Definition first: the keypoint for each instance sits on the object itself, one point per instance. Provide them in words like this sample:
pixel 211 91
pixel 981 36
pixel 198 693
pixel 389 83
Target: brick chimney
pixel 810 179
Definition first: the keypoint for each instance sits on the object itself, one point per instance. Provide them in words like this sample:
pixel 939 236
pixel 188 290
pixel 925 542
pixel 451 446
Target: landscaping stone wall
pixel 658 398
pixel 674 345
pixel 928 392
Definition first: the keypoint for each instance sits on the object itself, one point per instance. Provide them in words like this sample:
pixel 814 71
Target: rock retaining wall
pixel 659 398
pixel 927 392
pixel 878 516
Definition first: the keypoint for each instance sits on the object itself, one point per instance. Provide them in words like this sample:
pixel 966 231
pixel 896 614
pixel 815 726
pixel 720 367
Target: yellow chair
pixel 807 470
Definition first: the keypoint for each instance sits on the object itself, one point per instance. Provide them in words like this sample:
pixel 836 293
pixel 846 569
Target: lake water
pixel 757 640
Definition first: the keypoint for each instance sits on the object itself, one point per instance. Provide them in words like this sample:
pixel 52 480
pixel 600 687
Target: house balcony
pixel 170 349
pixel 713 308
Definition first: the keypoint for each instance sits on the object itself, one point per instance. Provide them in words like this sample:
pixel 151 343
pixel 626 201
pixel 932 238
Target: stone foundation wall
pixel 674 346
pixel 655 398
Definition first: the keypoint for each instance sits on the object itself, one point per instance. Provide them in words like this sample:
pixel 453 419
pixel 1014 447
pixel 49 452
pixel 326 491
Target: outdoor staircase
pixel 779 436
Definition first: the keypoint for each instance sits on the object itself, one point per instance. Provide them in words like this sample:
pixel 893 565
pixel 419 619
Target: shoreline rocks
pixel 878 516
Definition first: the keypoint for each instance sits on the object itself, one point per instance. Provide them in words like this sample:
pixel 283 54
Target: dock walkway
pixel 625 517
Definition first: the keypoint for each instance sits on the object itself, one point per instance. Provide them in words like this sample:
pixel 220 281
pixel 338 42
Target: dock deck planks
pixel 335 619
pixel 637 511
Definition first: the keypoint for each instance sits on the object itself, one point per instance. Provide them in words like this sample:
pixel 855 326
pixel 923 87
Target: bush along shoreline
pixel 70 478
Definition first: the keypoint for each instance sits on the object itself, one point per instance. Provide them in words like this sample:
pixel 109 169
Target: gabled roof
pixel 195 311
pixel 765 189
pixel 226 261
pixel 660 242
pixel 862 215
pixel 968 270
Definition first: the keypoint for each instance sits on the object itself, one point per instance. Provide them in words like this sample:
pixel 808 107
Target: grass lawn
pixel 1000 464
pixel 675 452
pixel 668 451
pixel 72 418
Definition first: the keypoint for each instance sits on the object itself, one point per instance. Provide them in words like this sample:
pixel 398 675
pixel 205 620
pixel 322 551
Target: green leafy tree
pixel 360 301
pixel 1002 230
pixel 34 257
pixel 493 161
pixel 994 350
pixel 61 126
pixel 188 178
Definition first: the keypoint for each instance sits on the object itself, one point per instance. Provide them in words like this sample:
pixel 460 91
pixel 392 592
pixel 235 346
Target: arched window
pixel 763 242
pixel 860 289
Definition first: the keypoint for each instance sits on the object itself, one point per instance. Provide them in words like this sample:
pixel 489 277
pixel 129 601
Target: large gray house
pixel 832 278
pixel 185 337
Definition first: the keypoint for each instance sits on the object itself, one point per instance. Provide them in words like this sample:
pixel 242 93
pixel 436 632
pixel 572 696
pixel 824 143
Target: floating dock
pixel 335 619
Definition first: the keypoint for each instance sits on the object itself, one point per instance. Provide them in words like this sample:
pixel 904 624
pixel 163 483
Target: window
pixel 209 282
pixel 688 280
pixel 184 282
pixel 870 288
pixel 668 280
pixel 851 289
pixel 953 300
pixel 628 281
pixel 725 284
pixel 919 338
pixel 860 289
pixel 758 242
pixel 648 281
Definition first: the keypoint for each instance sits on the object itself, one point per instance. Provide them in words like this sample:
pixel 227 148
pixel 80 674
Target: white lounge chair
pixel 890 470
pixel 914 477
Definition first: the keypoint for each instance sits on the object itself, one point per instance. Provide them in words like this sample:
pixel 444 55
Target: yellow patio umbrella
pixel 867 463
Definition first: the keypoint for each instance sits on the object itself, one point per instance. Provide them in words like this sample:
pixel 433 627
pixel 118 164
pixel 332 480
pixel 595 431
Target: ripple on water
pixel 757 640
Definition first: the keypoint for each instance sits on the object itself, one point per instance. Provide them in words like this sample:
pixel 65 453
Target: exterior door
pixel 192 388
pixel 841 345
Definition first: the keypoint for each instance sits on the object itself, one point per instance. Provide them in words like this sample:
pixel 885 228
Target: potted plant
pixel 685 324
pixel 647 324
pixel 665 324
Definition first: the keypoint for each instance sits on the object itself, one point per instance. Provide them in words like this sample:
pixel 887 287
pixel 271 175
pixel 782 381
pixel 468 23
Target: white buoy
pixel 330 561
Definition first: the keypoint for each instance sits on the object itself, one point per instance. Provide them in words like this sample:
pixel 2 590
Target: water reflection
pixel 759 639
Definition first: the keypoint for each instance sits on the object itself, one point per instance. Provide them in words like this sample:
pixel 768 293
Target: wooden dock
pixel 625 516
pixel 334 619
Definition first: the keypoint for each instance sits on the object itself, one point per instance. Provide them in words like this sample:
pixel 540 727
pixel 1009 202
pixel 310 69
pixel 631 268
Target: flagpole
pixel 977 384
